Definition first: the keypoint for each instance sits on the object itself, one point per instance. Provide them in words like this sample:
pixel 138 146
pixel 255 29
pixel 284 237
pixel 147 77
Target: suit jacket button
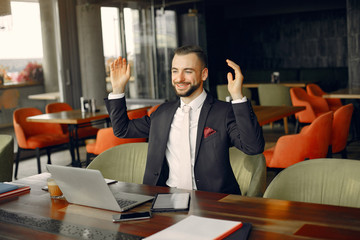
pixel 156 174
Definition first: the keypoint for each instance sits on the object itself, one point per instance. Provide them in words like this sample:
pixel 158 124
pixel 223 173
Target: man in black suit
pixel 214 126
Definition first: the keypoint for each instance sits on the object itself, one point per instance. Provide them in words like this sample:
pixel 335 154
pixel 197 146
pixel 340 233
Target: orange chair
pixel 312 142
pixel 314 90
pixel 106 139
pixel 137 113
pixel 152 109
pixel 36 136
pixel 340 129
pixel 315 106
pixel 83 132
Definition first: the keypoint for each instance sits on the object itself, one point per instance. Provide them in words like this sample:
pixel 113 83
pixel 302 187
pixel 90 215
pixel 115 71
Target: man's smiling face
pixel 187 75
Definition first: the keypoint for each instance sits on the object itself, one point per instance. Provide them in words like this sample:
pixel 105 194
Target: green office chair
pixel 250 172
pixel 275 95
pixel 324 180
pixel 6 158
pixel 124 162
pixel 222 92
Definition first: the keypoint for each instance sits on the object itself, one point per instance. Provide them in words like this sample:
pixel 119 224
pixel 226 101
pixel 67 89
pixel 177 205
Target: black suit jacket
pixel 234 125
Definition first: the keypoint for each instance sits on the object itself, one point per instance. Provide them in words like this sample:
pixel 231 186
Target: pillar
pixel 91 52
pixel 49 45
pixel 353 29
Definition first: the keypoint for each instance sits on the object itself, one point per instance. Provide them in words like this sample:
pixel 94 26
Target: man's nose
pixel 181 77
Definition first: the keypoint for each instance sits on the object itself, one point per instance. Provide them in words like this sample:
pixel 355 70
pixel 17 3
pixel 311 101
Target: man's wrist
pixel 113 95
pixel 240 100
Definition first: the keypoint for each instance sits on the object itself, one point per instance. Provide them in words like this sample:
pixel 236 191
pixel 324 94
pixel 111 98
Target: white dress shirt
pixel 173 153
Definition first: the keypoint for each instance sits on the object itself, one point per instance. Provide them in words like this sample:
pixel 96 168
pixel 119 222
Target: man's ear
pixel 204 74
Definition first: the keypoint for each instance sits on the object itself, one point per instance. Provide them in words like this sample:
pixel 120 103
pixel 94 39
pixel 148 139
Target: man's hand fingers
pixel 230 77
pixel 233 65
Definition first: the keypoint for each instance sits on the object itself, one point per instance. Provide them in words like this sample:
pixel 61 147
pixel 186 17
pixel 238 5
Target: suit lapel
pixel 202 121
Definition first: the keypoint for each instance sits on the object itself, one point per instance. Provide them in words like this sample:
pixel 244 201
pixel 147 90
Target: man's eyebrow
pixel 185 69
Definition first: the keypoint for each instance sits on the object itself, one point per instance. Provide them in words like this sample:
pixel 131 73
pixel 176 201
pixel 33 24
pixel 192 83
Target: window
pixel 21 46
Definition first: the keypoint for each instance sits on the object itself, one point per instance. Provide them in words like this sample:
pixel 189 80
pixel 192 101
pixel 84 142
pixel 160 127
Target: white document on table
pixel 197 228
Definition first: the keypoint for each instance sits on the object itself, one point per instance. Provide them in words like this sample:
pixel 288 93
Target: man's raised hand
pixel 119 75
pixel 235 84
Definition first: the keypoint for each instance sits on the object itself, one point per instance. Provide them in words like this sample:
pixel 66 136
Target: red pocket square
pixel 208 132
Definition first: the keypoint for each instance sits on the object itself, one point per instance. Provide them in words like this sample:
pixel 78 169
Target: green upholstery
pixel 274 95
pixel 324 180
pixel 6 158
pixel 222 92
pixel 127 163
pixel 250 172
pixel 124 162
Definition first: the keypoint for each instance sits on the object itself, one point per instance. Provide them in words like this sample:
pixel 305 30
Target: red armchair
pixel 35 136
pixel 340 129
pixel 312 142
pixel 315 106
pixel 314 90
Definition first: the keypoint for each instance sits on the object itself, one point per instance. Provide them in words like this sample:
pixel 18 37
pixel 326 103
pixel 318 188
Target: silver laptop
pixel 88 187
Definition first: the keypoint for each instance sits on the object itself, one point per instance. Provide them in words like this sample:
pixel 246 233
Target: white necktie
pixel 186 178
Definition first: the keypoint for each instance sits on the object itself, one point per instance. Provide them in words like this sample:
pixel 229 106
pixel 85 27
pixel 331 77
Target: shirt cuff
pixel 241 100
pixel 115 95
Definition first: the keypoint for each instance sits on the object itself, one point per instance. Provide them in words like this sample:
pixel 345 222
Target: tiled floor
pixel 28 166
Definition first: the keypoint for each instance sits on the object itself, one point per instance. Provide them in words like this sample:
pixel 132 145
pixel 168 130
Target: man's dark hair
pixel 192 49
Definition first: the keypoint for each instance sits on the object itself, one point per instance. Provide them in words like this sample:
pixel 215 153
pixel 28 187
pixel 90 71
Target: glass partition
pixel 146 37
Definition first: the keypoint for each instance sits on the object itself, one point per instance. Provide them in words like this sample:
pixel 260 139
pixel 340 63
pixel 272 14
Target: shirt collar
pixel 197 102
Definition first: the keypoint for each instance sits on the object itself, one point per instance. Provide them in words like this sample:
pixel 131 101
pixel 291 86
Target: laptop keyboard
pixel 125 202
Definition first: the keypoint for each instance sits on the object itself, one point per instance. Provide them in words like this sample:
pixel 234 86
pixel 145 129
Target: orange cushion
pixel 45 140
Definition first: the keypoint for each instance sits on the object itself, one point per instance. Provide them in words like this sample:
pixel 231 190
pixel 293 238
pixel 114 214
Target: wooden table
pixel 346 93
pixel 36 215
pixel 76 119
pixel 269 114
pixel 294 84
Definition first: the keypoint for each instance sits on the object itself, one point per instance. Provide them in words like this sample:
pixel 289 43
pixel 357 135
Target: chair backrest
pixel 314 105
pixel 59 107
pixel 274 95
pixel 299 98
pixel 341 127
pixel 24 129
pixel 250 172
pixel 318 135
pixel 6 157
pixel 312 142
pixel 124 163
pixel 222 92
pixel 324 181
pixel 152 109
pixel 314 90
pixel 127 163
pixel 137 113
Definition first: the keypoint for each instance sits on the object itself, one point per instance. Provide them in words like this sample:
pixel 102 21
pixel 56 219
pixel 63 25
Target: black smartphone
pixel 131 216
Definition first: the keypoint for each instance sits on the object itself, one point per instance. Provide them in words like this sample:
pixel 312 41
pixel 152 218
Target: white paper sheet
pixel 195 228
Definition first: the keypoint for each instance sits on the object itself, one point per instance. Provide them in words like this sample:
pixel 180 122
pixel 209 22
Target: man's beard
pixel 190 91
